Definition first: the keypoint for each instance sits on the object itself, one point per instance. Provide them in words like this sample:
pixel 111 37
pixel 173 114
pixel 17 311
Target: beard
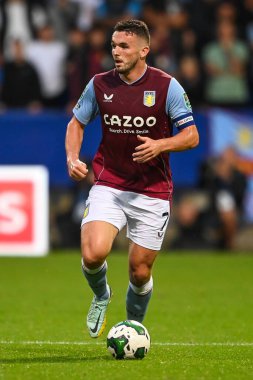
pixel 127 67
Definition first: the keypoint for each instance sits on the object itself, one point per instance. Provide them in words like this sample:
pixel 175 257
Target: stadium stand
pixel 211 55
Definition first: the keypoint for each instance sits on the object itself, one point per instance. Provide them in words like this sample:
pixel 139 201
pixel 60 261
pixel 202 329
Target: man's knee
pixel 96 243
pixel 93 252
pixel 140 275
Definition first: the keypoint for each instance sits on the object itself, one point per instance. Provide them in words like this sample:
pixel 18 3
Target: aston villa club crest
pixel 149 98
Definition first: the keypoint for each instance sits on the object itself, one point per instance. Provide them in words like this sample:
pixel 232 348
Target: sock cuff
pixel 93 271
pixel 144 289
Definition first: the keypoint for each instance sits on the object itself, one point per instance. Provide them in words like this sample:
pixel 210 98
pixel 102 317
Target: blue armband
pixel 184 121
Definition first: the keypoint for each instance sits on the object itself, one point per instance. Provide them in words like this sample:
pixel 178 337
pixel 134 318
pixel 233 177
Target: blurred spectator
pixel 21 86
pixel 183 33
pixel 202 19
pixel 63 15
pixel 77 65
pixel 191 78
pixel 226 187
pixel 86 13
pixel 226 61
pixel 18 20
pixel 247 19
pixel 188 43
pixel 167 20
pixel 169 13
pixel 99 58
pixel 82 190
pixel 226 11
pixel 110 11
pixel 49 58
pixel 67 211
pixel 162 54
pixel 191 231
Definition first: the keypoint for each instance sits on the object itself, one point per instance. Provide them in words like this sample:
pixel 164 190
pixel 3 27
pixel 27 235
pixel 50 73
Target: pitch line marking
pixel 85 343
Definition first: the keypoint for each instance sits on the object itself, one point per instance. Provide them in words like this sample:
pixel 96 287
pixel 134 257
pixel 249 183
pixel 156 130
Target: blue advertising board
pixel 38 139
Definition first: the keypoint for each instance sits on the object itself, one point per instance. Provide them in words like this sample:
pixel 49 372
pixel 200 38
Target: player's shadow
pixel 54 359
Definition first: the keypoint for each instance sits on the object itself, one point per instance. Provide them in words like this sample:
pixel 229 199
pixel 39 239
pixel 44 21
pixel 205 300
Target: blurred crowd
pixel 49 49
pixel 210 216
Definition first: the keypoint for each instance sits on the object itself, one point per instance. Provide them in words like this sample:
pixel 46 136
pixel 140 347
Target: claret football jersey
pixel 150 107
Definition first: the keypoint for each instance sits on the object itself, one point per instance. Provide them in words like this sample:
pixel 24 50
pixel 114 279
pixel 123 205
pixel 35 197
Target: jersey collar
pixel 137 80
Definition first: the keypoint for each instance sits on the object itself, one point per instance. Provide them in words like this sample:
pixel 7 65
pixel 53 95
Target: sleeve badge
pixel 187 101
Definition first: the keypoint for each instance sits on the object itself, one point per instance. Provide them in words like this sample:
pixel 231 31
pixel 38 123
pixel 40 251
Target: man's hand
pixel 147 150
pixel 77 169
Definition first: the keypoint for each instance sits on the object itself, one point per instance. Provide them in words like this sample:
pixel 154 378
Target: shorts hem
pixel 145 245
pixel 100 220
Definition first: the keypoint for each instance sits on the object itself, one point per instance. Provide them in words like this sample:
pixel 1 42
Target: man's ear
pixel 144 52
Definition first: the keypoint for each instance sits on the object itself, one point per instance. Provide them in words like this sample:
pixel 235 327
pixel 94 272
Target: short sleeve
pixel 178 106
pixel 86 109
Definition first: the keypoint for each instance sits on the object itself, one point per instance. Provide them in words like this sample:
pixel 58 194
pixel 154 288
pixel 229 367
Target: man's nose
pixel 116 50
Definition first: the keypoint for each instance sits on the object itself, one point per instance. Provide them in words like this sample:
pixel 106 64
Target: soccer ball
pixel 128 340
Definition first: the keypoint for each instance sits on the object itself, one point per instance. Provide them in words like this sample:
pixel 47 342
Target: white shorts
pixel 146 218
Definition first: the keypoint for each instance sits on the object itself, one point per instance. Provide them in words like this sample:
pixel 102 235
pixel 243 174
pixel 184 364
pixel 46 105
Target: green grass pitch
pixel 200 319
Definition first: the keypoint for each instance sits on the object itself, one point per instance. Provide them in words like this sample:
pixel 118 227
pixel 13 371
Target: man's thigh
pixel 96 239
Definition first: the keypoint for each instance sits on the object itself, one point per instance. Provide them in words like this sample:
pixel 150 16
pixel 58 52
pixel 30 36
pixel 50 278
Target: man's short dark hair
pixel 137 27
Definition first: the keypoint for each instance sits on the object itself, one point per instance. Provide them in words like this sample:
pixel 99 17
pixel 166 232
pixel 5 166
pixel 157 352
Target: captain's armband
pixel 183 121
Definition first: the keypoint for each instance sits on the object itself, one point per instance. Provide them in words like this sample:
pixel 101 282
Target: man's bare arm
pixel 187 138
pixel 73 142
